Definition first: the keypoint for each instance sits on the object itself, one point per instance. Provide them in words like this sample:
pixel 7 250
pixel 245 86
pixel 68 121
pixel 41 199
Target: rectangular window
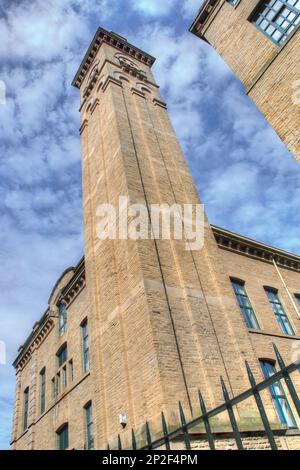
pixel 65 381
pixel 279 311
pixel 53 382
pixel 42 391
pixel 233 2
pixel 62 320
pixel 277 19
pixel 89 426
pixel 85 347
pixel 63 438
pixel 279 398
pixel 57 384
pixel 297 297
pixel 62 355
pixel 25 412
pixel 245 304
pixel 71 371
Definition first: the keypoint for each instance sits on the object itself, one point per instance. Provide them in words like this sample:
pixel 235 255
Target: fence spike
pixel 165 431
pixel 184 428
pixel 287 379
pixel 206 422
pixel 134 446
pixel 119 442
pixel 231 415
pixel 261 408
pixel 148 433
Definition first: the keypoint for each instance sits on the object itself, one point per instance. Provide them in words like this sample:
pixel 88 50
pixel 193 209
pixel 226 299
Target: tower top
pixel 113 39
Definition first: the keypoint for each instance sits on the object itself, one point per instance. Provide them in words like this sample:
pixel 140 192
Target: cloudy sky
pixel 246 177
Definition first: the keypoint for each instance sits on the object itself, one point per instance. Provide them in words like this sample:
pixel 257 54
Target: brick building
pixel 258 40
pixel 138 325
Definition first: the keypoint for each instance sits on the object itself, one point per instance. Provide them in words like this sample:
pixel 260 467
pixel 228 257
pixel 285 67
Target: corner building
pixel 260 41
pixel 138 325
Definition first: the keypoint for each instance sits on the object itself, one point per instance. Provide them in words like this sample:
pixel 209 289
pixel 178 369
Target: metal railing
pixel 167 437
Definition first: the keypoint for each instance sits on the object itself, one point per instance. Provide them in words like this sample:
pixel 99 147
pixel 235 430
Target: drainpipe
pixel 286 288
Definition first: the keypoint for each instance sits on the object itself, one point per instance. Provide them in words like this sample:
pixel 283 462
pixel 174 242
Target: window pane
pixel 280 313
pixel 279 398
pixel 42 391
pixel 245 305
pixel 25 414
pixel 63 438
pixel 89 427
pixel 273 14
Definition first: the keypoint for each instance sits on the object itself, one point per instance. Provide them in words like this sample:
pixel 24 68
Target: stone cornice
pixel 105 37
pixel 246 246
pixel 203 15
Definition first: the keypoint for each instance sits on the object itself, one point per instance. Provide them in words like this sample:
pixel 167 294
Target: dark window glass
pixel 279 311
pixel 245 304
pixel 279 398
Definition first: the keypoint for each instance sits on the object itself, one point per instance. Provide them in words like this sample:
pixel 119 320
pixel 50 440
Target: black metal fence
pixel 183 431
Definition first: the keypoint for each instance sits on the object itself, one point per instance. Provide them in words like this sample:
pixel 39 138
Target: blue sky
pixel 246 177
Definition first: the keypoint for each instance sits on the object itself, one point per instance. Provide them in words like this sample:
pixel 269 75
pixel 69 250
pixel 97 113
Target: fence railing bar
pixel 148 434
pixel 261 409
pixel 177 433
pixel 184 428
pixel 231 415
pixel 133 439
pixel 206 422
pixel 288 380
pixel 165 432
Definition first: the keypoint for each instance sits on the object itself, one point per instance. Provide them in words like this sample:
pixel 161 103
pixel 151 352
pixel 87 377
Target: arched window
pixel 245 304
pixel 279 311
pixel 278 395
pixel 63 437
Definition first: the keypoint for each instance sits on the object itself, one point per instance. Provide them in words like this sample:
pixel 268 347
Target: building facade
pixel 140 324
pixel 258 40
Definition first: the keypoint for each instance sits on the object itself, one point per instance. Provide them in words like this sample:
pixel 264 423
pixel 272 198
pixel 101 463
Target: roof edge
pixel 119 42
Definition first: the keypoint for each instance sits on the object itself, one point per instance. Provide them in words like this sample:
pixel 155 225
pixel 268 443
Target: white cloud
pixel 153 7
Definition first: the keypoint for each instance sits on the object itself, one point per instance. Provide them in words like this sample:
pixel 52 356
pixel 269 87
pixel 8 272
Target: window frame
pixel 43 391
pixel 240 298
pixel 89 426
pixel 62 359
pixel 85 346
pixel 25 408
pixel 265 365
pixel 260 12
pixel 63 437
pixel 279 311
pixel 62 319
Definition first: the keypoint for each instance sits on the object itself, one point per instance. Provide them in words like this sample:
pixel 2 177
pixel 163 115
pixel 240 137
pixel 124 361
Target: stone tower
pixel 163 321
